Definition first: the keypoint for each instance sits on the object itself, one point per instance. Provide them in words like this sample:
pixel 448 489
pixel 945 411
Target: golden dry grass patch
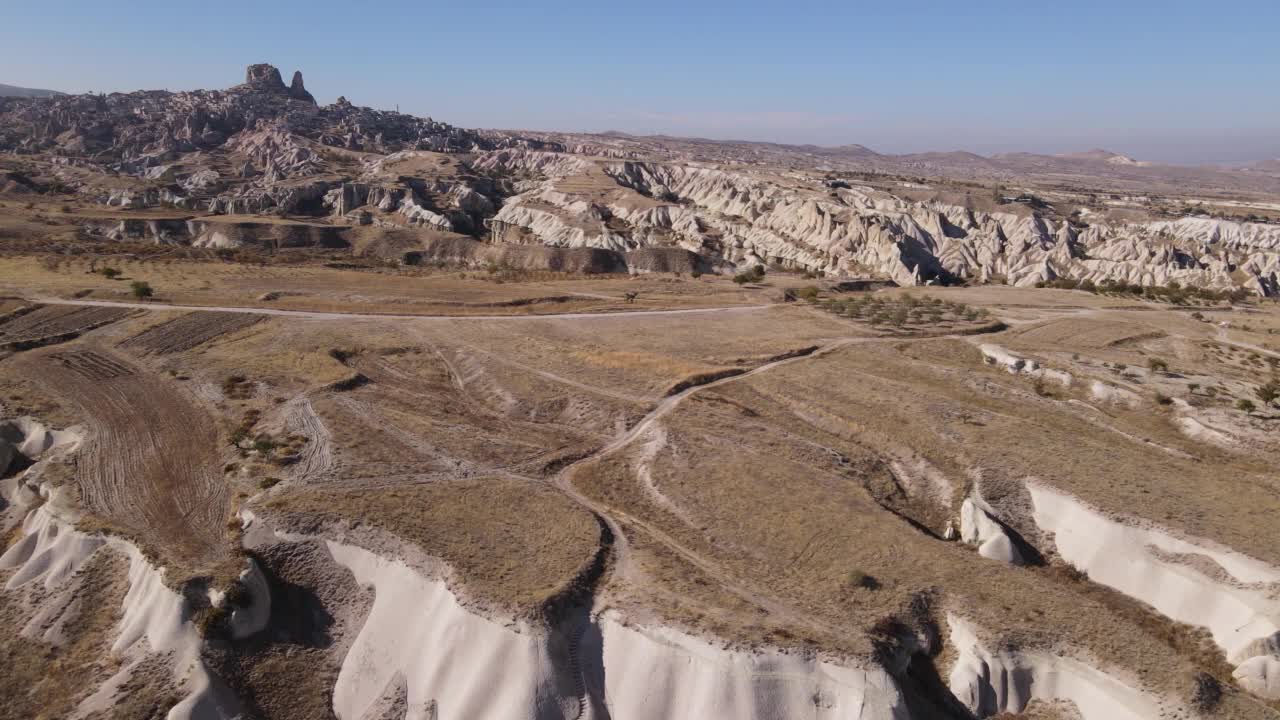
pixel 513 543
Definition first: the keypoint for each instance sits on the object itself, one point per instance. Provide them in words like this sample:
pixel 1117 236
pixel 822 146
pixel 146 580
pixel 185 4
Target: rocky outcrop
pixel 1189 580
pixel 747 218
pixel 298 91
pixel 991 682
pixel 267 147
pixel 270 132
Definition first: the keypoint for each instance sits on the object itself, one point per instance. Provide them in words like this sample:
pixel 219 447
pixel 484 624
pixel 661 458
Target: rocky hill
pixel 264 147
pixel 15 91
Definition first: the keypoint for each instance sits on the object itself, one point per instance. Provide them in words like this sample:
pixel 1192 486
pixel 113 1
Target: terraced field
pixel 188 331
pixel 150 463
pixel 36 325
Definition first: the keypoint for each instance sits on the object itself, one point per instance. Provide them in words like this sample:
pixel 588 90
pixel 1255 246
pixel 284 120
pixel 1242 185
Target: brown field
pixel 150 464
pixel 751 461
pixel 40 325
pixel 188 331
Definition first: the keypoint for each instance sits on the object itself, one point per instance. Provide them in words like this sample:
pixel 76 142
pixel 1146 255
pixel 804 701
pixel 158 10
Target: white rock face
pixel 456 664
pixel 154 617
pixel 33 439
pixel 654 673
pixel 989 683
pixel 1017 365
pixel 978 526
pixel 1260 675
pixel 1241 613
pixel 1112 394
pixel 747 218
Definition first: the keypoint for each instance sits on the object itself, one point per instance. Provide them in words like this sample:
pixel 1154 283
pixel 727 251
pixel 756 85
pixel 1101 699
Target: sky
pixel 1171 81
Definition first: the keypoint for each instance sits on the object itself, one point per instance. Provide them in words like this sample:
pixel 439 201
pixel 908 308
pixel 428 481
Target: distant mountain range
pixel 15 91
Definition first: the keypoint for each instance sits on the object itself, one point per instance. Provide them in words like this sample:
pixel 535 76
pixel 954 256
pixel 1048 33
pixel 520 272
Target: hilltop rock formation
pixel 267 78
pixel 247 149
pixel 297 91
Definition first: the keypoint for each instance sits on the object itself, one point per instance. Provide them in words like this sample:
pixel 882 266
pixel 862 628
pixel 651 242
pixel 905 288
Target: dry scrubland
pixel 781 476
pixel 390 291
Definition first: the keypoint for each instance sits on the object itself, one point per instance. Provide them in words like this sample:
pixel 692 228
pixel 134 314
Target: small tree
pixel 110 273
pixel 141 289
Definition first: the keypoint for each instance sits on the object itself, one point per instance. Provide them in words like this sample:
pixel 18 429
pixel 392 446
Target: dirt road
pixel 310 315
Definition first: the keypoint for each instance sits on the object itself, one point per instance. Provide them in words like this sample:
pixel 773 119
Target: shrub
pixel 109 273
pixel 695 274
pixel 742 278
pixel 1244 405
pixel 1206 693
pixel 267 483
pixel 859 579
pixel 1268 392
pixel 141 289
pixel 807 293
pixel 1157 365
pixel 1162 399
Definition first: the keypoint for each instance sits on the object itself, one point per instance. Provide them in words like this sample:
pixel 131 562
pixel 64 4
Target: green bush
pixel 1244 405
pixel 141 289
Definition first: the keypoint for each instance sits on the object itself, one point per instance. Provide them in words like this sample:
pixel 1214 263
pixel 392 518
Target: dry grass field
pixel 783 474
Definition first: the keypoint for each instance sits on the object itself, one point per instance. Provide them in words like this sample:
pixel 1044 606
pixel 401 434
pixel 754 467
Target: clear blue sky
pixel 1170 81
